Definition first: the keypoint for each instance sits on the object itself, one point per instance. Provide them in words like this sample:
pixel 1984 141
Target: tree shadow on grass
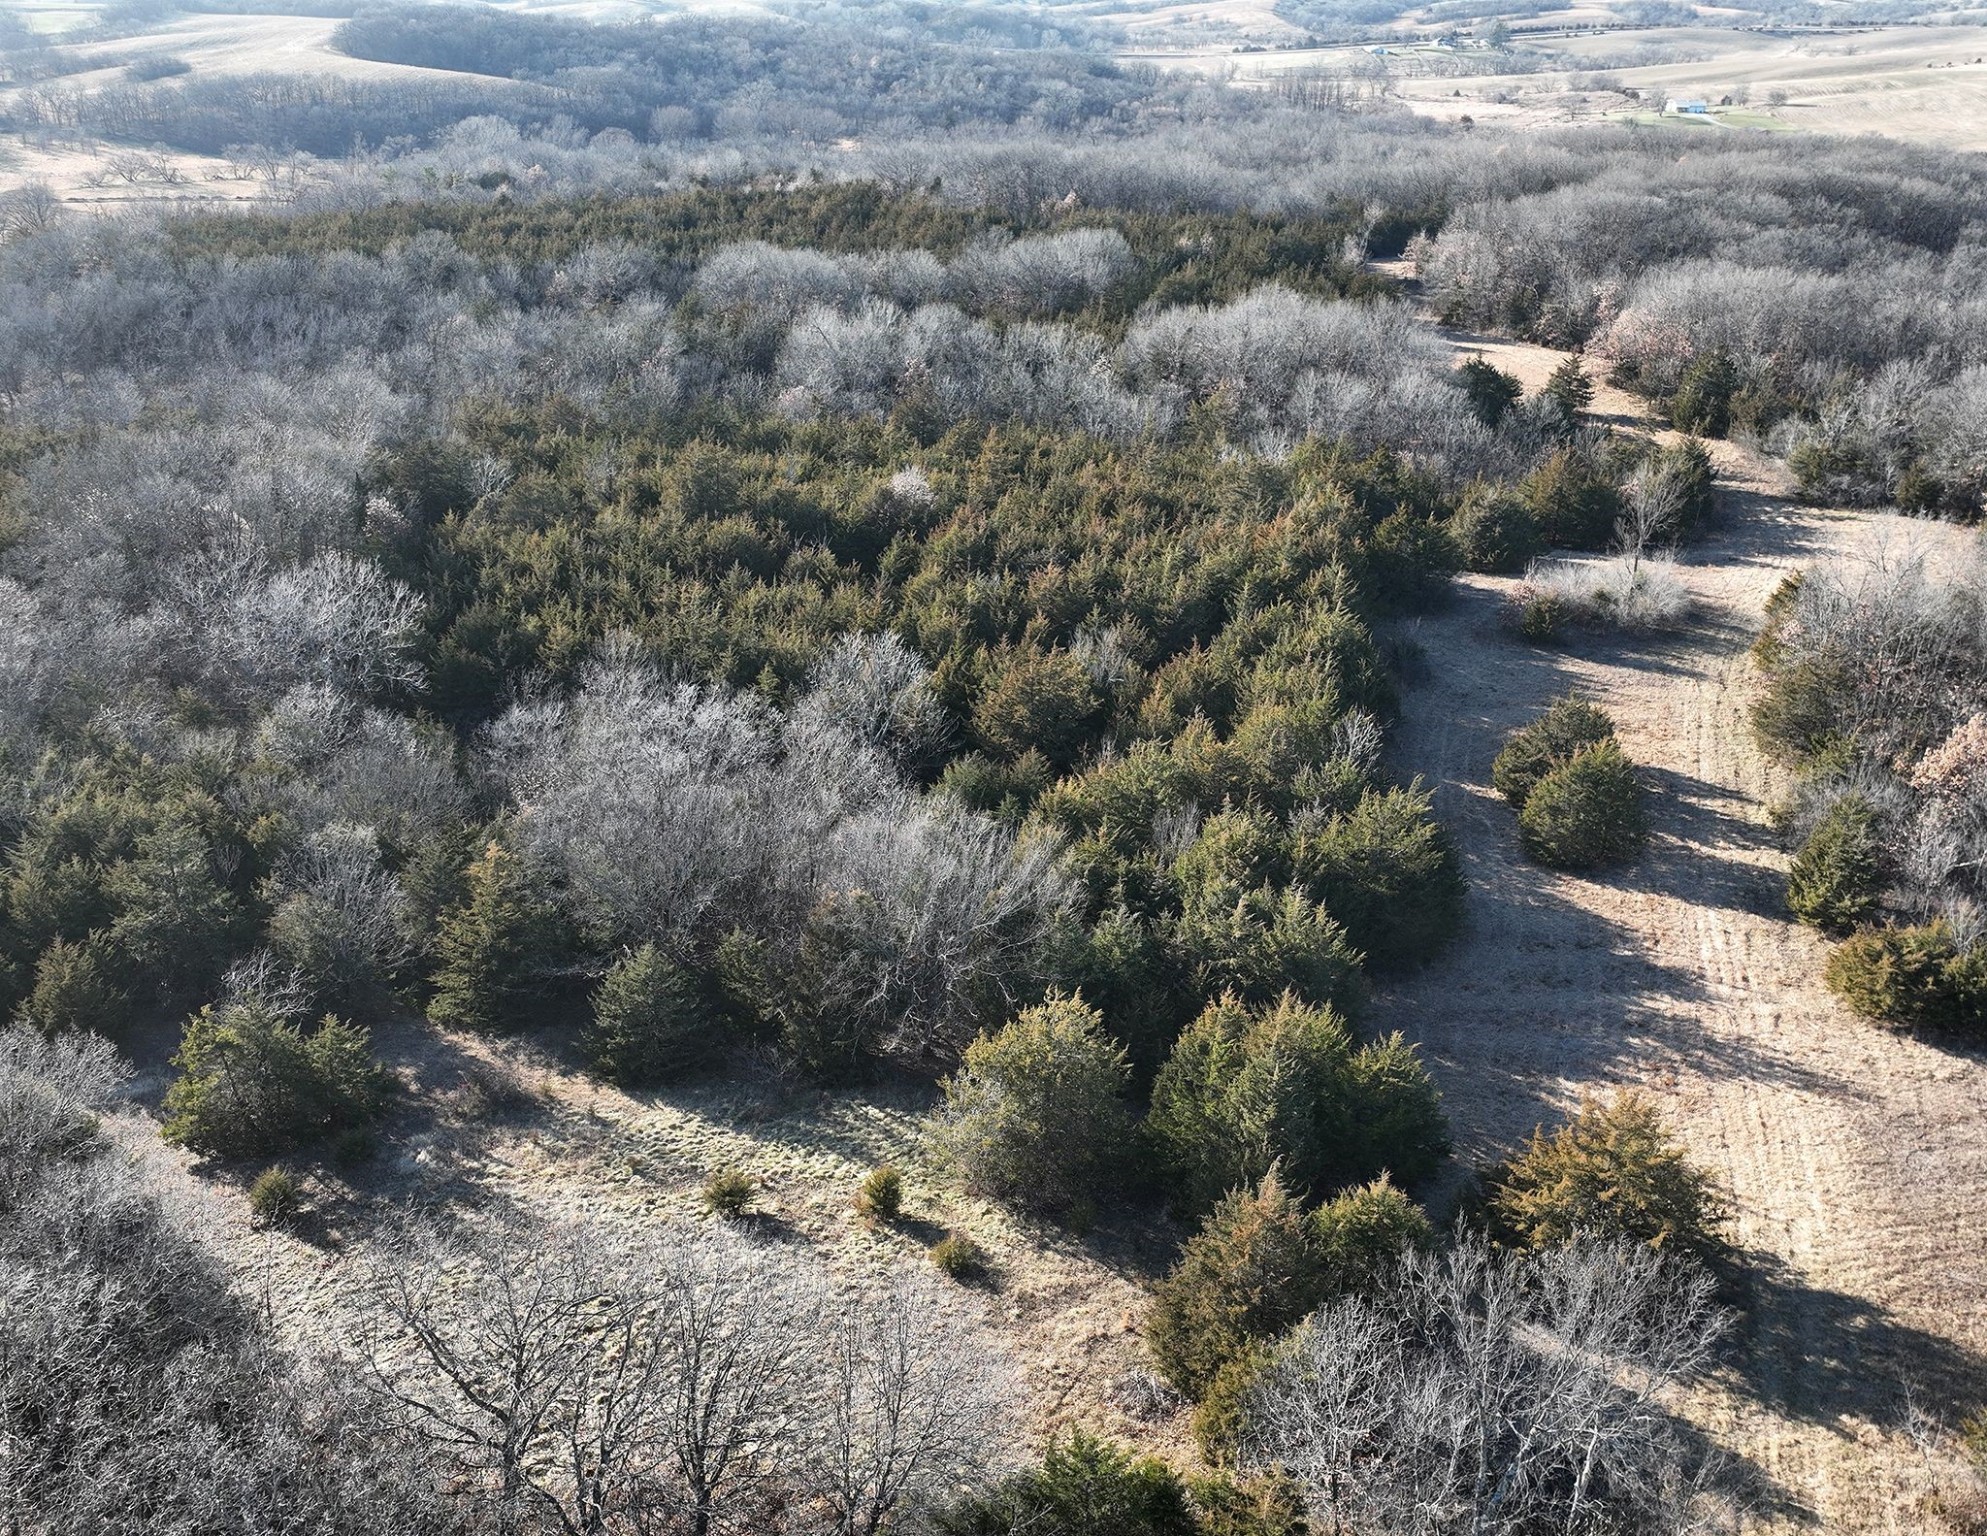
pixel 1822 1356
pixel 1542 992
pixel 1697 853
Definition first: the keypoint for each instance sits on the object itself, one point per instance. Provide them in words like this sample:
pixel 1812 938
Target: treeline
pixel 1831 307
pixel 755 326
pixel 1111 264
pixel 320 115
pixel 812 82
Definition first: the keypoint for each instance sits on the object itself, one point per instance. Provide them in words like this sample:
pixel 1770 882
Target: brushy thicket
pixel 1259 1264
pixel 1874 666
pixel 1580 804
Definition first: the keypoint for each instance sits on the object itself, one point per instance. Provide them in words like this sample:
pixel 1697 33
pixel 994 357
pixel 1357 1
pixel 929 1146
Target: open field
pixel 516 1131
pixel 1922 83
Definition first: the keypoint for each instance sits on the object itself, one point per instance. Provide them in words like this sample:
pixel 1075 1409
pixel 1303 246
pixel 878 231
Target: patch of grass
pixel 355 1147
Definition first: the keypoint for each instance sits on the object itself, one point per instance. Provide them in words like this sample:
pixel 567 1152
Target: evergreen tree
pixel 1036 1114
pixel 1285 1087
pixel 1570 387
pixel 1611 1171
pixel 1252 1271
pixel 73 990
pixel 1490 391
pixel 651 1023
pixel 493 949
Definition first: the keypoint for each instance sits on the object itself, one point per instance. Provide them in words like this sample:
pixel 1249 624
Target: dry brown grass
pixel 500 1127
pixel 1856 1159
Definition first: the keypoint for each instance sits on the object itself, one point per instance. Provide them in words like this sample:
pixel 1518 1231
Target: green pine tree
pixel 492 949
pixel 1571 387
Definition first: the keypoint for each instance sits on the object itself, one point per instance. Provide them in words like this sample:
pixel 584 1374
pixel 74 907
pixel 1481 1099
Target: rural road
pixel 1856 1160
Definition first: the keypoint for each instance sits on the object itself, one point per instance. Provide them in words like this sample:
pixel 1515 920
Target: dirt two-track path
pixel 1855 1159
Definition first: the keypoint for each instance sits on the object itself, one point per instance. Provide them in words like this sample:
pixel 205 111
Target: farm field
pixel 1927 84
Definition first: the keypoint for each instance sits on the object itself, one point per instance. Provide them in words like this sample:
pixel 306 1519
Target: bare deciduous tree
pixel 1488 1393
pixel 681 1381
pixel 913 1407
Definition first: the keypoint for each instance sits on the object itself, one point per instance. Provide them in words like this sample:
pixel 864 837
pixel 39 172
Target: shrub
pixel 1703 401
pixel 1398 1126
pixel 73 990
pixel 1839 874
pixel 493 949
pixel 1408 562
pixel 730 1193
pixel 1221 1417
pixel 1798 715
pixel 1533 751
pixel 1247 1090
pixel 1261 943
pixel 1084 1487
pixel 1249 1273
pixel 1623 592
pixel 1234 849
pixel 1490 391
pixel 1035 1116
pixel 1586 813
pixel 1267 1505
pixel 651 1023
pixel 275 1197
pixel 1686 467
pixel 1542 617
pixel 1911 978
pixel 881 1197
pixel 1610 1171
pixel 1389 873
pixel 1973 1440
pixel 177 923
pixel 252 1082
pixel 1122 966
pixel 959 1257
pixel 1496 533
pixel 1041 701
pixel 1364 1232
pixel 1574 504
